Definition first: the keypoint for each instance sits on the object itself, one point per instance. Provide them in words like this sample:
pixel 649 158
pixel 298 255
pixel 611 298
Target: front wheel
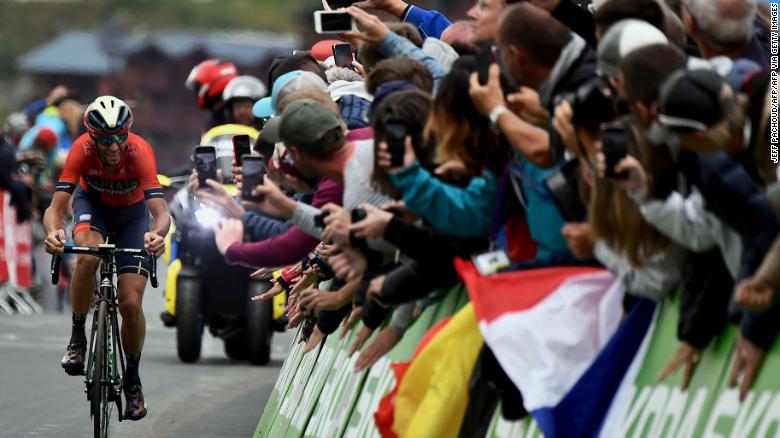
pixel 259 317
pixel 189 329
pixel 100 403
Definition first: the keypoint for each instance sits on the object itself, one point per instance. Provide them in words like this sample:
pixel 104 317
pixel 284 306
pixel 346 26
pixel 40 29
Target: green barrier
pixel 708 407
pixel 286 374
pixel 319 394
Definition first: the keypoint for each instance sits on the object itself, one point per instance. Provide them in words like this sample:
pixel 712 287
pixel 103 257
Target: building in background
pixel 149 70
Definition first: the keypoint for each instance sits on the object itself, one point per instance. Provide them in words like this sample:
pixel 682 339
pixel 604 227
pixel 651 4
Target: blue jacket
pixel 258 226
pixel 463 212
pixel 429 23
pixel 732 196
pixel 394 45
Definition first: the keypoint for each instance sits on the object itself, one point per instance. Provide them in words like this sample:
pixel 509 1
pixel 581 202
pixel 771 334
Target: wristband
pixel 495 113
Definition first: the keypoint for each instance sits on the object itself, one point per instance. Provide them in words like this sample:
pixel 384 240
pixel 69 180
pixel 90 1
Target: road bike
pixel 103 377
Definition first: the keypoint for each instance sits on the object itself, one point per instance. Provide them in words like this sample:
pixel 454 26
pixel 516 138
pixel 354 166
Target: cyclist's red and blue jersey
pixel 113 205
pixel 135 178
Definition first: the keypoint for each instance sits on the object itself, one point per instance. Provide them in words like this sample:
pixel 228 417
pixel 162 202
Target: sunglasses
pixel 108 140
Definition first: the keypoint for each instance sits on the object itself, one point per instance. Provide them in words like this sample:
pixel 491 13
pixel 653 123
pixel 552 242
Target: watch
pixel 495 113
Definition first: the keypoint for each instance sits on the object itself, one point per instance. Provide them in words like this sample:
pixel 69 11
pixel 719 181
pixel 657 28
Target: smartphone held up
pixel 253 172
pixel 326 22
pixel 395 138
pixel 241 147
pixel 342 55
pixel 205 164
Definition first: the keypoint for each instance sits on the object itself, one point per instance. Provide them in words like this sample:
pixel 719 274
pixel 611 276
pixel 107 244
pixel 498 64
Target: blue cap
pixel 266 107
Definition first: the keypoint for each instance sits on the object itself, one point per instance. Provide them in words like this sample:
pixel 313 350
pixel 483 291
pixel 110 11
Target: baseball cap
pixel 46 137
pixel 690 100
pixel 285 84
pixel 623 38
pixel 305 124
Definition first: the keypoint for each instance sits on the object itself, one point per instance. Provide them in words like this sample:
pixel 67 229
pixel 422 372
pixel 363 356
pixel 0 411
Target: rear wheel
pixel 259 316
pixel 189 329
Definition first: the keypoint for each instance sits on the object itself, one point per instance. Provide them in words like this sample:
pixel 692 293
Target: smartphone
pixel 342 55
pixel 487 55
pixel 333 22
pixel 338 4
pixel 253 171
pixel 241 147
pixel 613 145
pixel 395 136
pixel 205 164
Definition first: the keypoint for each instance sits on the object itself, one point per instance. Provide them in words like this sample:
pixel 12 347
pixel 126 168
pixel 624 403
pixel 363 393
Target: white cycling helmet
pixel 244 87
pixel 108 115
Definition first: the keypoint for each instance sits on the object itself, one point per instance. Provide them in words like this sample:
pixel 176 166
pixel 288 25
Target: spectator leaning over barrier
pixel 679 213
pixel 289 246
pixel 725 189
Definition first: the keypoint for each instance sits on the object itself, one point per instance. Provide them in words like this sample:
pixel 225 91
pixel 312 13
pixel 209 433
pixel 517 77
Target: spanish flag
pixel 433 394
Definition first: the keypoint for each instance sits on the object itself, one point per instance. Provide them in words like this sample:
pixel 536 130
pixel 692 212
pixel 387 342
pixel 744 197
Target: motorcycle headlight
pixel 207 216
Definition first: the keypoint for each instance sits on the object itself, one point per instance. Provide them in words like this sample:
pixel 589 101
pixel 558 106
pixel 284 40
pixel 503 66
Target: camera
pixel 591 103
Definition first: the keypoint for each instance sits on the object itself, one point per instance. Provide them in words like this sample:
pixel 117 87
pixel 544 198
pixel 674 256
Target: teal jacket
pixel 459 211
pixel 544 220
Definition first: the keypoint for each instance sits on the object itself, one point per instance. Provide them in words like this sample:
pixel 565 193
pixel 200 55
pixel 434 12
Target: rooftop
pixel 87 53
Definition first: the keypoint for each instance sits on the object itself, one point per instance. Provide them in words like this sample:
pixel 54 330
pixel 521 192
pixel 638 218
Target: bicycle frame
pixel 105 315
pixel 107 294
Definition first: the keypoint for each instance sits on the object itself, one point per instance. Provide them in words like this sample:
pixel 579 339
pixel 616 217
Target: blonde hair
pixel 616 219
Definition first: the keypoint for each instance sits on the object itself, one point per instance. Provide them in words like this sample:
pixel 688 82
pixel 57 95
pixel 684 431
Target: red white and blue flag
pixel 560 335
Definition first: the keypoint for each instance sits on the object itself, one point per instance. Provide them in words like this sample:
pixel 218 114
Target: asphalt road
pixel 215 397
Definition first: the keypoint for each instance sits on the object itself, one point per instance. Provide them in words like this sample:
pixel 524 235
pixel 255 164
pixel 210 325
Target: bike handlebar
pixel 101 251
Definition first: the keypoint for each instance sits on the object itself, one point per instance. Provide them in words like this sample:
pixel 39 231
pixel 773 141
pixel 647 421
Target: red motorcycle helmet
pixel 208 79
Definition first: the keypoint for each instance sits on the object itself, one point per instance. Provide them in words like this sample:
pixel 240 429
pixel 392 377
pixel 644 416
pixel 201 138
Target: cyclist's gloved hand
pixel 154 243
pixel 55 241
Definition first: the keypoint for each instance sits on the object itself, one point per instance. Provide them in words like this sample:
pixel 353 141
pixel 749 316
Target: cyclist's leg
pixel 87 232
pixel 82 284
pixel 131 292
pixel 133 271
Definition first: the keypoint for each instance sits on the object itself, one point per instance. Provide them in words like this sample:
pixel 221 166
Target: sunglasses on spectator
pixel 108 140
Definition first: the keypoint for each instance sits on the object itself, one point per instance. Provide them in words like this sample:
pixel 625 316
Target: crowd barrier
pixel 15 261
pixel 318 394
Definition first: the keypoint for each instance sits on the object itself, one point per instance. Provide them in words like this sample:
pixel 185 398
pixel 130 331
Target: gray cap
pixel 622 38
pixel 304 124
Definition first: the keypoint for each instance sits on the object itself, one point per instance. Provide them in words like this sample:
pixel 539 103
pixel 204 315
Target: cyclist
pixel 112 175
pixel 208 80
